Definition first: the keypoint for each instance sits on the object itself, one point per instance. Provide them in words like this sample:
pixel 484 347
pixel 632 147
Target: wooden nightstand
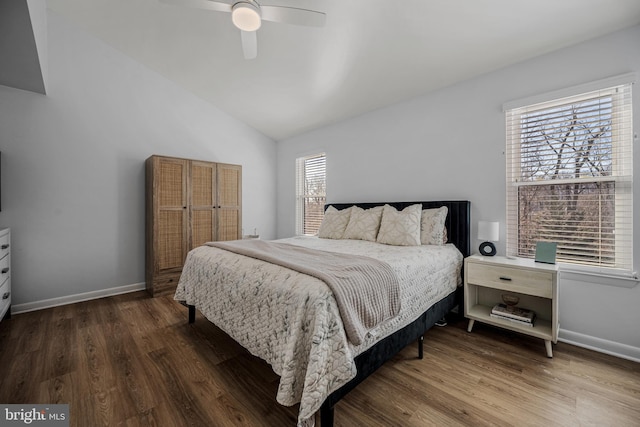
pixel 487 278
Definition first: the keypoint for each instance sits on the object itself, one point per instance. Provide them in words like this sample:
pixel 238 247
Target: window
pixel 570 175
pixel 310 193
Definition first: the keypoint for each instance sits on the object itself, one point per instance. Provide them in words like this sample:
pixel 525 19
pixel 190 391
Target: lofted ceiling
pixel 20 65
pixel 370 53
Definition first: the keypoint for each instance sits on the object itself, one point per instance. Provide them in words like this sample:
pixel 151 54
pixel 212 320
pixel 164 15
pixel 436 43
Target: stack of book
pixel 522 316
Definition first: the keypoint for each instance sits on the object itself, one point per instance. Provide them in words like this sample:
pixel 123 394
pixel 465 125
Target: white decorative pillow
pixel 363 224
pixel 400 228
pixel 432 231
pixel 334 223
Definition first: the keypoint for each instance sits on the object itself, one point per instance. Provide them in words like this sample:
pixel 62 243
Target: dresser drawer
pixel 4 245
pixel 5 268
pixel 5 297
pixel 530 282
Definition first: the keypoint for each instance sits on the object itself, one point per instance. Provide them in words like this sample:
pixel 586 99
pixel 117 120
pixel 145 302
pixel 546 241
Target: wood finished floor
pixel 131 360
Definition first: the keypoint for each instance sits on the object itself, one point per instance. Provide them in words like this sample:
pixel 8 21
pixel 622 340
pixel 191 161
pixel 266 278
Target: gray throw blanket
pixel 366 289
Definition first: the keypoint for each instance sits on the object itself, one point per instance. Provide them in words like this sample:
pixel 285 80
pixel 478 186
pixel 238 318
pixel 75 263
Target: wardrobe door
pixel 167 222
pixel 229 204
pixel 203 203
pixel 172 214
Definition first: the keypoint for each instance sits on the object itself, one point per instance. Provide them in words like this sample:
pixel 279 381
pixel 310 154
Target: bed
pixel 291 319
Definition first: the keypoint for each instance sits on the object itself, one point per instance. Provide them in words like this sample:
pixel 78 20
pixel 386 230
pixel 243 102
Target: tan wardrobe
pixel 188 203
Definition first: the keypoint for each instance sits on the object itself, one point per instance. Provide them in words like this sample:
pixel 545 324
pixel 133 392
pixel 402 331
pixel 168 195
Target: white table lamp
pixel 489 231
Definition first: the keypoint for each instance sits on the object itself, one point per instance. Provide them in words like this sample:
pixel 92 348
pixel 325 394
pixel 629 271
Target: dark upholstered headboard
pixel 458 221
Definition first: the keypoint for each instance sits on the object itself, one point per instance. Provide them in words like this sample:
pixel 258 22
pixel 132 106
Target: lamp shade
pixel 489 231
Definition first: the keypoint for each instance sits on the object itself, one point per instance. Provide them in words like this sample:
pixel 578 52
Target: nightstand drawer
pixel 538 283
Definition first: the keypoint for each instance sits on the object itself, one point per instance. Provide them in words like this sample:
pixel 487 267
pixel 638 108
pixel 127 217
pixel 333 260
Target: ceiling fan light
pixel 246 16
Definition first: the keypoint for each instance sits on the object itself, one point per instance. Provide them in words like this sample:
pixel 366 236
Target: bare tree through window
pixel 311 193
pixel 563 177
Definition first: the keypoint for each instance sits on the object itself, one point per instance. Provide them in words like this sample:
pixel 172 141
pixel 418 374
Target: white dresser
pixel 5 273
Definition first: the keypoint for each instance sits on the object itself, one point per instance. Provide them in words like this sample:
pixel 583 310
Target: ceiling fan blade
pixel 200 4
pixel 249 44
pixel 293 15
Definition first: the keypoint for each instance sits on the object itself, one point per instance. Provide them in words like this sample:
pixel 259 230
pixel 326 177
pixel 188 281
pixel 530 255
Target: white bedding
pixel 291 320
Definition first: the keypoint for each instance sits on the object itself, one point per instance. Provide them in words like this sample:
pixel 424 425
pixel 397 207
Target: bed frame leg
pixel 421 347
pixel 192 313
pixel 326 415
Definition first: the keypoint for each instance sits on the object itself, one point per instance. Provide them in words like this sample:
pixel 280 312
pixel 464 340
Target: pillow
pixel 432 231
pixel 400 228
pixel 334 223
pixel 363 224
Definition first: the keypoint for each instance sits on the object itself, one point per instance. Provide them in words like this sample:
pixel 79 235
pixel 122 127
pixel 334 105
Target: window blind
pixel 570 175
pixel 310 193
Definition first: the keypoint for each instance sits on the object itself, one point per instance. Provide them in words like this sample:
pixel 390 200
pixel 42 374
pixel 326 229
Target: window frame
pixel 318 161
pixel 621 164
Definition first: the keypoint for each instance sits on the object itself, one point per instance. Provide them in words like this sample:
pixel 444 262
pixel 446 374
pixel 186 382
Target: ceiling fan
pixel 248 15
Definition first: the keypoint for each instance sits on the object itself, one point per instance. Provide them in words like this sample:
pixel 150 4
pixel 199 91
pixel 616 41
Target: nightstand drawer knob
pixel 5 270
pixel 507 279
pixel 5 246
pixel 6 295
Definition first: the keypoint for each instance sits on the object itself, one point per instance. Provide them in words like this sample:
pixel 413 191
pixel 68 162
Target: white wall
pixel 73 166
pixel 450 145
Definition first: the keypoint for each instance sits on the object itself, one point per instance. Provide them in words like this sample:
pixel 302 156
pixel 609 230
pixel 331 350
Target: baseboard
pixel 70 299
pixel 623 351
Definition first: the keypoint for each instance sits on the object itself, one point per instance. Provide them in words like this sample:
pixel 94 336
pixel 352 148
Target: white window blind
pixel 310 193
pixel 570 176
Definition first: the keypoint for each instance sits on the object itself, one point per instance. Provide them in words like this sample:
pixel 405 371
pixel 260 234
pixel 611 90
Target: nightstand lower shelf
pixel 540 329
